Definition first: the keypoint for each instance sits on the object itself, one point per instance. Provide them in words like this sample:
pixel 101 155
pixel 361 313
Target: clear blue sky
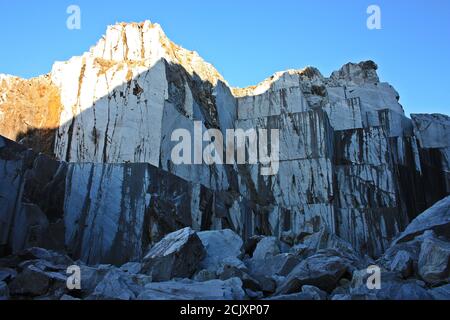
pixel 248 40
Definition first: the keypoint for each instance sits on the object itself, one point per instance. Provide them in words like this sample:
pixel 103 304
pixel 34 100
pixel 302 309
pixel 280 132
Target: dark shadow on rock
pixel 40 140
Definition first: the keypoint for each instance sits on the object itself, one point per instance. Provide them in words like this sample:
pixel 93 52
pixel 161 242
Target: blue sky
pixel 248 40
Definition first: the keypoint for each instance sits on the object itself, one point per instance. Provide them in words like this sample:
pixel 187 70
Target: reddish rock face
pixel 30 111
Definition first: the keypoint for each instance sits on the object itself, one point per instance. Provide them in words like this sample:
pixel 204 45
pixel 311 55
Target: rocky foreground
pixel 214 265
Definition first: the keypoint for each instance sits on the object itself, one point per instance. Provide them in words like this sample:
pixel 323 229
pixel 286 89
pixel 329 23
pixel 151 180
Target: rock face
pixel 31 197
pixel 392 288
pixel 350 161
pixel 433 134
pixel 441 293
pixel 177 255
pixel 266 247
pixel 187 290
pixel 436 218
pixel 434 261
pixel 30 111
pixel 323 270
pixel 4 291
pixel 219 246
pixel 100 213
pixel 320 267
